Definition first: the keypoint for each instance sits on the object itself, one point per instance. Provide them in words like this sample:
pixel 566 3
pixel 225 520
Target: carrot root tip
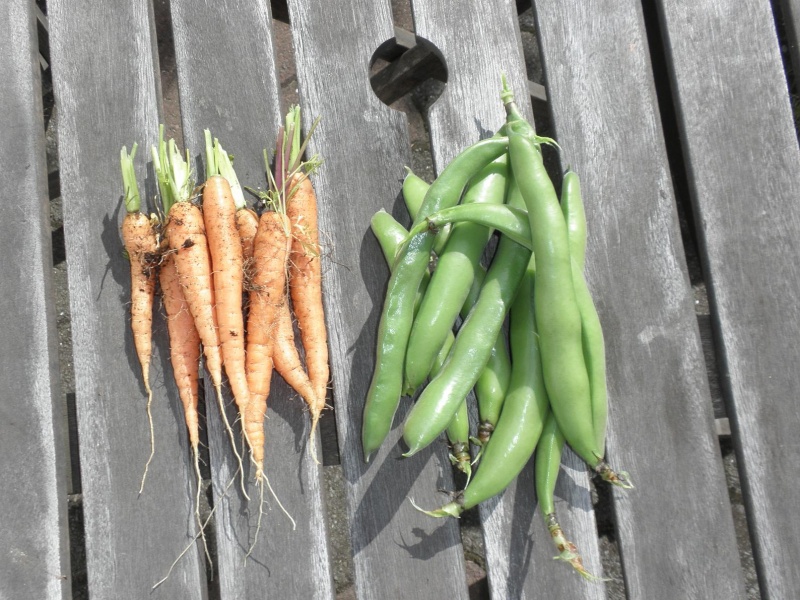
pixel 152 434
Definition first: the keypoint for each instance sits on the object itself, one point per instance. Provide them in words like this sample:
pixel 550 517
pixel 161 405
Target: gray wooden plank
pixel 34 560
pixel 675 529
pixel 105 74
pixel 397 552
pixel 518 547
pixel 229 84
pixel 745 192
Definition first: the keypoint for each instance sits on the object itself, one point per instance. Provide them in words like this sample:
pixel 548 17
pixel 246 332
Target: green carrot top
pixel 219 162
pixel 173 173
pixel 130 189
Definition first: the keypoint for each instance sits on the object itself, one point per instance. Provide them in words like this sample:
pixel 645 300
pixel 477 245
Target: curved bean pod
pixel 594 353
pixel 440 399
pixel 398 310
pixel 492 385
pixel 524 409
pixel 451 281
pixel 557 310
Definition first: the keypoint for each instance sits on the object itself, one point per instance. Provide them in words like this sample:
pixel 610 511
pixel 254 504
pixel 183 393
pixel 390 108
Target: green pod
pixel 513 221
pixel 408 270
pixel 492 385
pixel 575 217
pixel 557 311
pixel 414 190
pixel 594 352
pixel 524 409
pixel 440 399
pixel 547 465
pixel 451 281
pixel 524 412
pixel 389 233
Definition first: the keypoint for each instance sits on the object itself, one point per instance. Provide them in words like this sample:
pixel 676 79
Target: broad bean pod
pixel 397 315
pixel 453 276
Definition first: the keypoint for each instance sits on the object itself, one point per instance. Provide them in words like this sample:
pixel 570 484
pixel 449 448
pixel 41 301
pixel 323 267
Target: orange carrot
pixel 225 247
pixel 184 350
pixel 247 225
pixel 305 285
pixel 186 237
pixel 287 359
pixel 305 272
pixel 140 243
pixel 269 279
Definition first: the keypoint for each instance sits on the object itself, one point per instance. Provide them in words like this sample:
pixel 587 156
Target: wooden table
pixel 739 154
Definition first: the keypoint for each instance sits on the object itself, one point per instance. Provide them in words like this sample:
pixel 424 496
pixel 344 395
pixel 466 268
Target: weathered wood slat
pixel 675 529
pixel 34 560
pixel 745 189
pixel 105 75
pixel 228 84
pixel 364 145
pixel 518 547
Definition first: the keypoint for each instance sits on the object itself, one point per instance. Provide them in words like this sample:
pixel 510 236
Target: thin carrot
pixel 287 360
pixel 225 247
pixel 267 295
pixel 140 243
pixel 186 237
pixel 270 251
pixel 305 286
pixel 305 271
pixel 184 350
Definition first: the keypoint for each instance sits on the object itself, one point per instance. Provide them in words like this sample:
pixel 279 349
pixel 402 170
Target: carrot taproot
pixel 185 235
pixel 247 226
pixel 305 272
pixel 305 286
pixel 139 240
pixel 184 351
pixel 267 292
pixel 225 248
pixel 267 295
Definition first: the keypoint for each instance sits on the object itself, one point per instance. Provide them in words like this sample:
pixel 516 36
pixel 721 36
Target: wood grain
pixel 105 78
pixel 518 547
pixel 745 189
pixel 675 529
pixel 229 85
pixel 34 560
pixel 398 552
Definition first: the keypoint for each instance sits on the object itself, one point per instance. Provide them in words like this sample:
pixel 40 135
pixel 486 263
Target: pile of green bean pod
pixel 550 390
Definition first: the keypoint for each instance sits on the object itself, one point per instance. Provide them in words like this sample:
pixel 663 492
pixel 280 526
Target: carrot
pixel 287 360
pixel 184 349
pixel 305 272
pixel 305 286
pixel 225 247
pixel 186 237
pixel 269 279
pixel 247 226
pixel 140 243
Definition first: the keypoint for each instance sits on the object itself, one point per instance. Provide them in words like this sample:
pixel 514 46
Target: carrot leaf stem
pixel 211 166
pixel 224 166
pixel 173 173
pixel 130 189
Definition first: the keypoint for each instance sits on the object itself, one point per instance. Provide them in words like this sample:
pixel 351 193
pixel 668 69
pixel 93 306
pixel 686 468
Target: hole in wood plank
pixel 402 64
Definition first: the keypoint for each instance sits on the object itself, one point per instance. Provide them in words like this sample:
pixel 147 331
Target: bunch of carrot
pixel 205 250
